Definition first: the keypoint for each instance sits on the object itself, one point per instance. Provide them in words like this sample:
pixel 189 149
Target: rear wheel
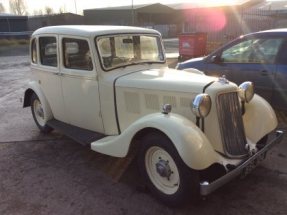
pixel 39 115
pixel 164 172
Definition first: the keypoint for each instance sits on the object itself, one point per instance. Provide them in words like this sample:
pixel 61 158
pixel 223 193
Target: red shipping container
pixel 192 45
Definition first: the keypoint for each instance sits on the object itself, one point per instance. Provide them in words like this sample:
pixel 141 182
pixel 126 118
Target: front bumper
pixel 207 188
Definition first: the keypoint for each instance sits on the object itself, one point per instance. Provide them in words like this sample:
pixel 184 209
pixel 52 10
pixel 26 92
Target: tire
pixel 167 177
pixel 38 115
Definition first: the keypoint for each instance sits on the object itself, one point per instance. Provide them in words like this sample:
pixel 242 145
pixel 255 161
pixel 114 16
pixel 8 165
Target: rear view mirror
pixel 216 59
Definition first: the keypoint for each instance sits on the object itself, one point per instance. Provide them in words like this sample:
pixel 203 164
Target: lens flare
pixel 207 19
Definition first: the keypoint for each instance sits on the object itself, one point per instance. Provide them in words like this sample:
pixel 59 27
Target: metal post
pixel 9 28
pixel 76 6
pixel 133 15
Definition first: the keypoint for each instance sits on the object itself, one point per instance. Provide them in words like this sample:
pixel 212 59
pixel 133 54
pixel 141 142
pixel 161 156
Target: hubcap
pixel 162 170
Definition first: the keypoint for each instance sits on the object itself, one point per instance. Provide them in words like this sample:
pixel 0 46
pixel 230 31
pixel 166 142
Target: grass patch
pixel 13 42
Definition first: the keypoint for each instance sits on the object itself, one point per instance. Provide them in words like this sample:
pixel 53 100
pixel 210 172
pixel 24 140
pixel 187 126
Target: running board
pixel 80 135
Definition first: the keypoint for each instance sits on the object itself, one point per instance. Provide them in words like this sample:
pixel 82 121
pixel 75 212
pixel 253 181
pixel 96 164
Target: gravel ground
pixel 51 174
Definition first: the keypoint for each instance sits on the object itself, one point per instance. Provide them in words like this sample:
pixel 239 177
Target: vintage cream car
pixel 109 87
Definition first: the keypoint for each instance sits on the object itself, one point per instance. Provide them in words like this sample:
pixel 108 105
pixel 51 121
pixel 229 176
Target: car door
pixel 279 97
pixel 48 75
pixel 252 59
pixel 80 84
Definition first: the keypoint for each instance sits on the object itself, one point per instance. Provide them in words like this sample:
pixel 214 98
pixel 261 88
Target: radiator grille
pixel 231 124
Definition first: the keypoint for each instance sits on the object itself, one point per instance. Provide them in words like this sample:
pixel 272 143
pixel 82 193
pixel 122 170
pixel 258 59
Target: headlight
pixel 201 105
pixel 246 91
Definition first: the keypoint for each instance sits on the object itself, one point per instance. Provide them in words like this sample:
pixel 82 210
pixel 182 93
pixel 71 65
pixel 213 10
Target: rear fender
pixel 34 87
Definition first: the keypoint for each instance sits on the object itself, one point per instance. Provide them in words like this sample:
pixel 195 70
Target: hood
pixel 166 79
pixel 197 63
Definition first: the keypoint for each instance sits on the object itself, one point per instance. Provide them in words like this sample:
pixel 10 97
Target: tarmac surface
pixel 52 174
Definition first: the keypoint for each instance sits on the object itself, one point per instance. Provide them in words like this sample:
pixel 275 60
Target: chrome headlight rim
pixel 246 91
pixel 201 105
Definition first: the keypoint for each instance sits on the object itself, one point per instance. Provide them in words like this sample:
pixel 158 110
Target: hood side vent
pixel 170 100
pixel 132 101
pixel 184 102
pixel 152 101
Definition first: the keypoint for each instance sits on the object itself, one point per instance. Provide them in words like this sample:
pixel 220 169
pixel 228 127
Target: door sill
pixel 80 135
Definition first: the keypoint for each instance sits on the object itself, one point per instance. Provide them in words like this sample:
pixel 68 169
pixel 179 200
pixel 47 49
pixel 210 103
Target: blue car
pixel 259 57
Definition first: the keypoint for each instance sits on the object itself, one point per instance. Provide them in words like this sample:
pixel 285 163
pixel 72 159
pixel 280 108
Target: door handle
pixel 59 74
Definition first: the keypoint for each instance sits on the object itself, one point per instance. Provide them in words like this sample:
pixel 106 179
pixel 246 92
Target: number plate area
pixel 252 165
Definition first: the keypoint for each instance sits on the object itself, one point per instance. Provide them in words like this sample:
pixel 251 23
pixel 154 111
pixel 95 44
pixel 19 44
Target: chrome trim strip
pixel 207 188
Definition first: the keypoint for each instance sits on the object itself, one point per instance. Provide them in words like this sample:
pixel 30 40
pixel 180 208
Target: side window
pixel 237 53
pixel 48 51
pixel 253 51
pixel 34 56
pixel 77 54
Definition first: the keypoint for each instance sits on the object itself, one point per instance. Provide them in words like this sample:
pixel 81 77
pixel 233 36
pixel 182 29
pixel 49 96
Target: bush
pixel 13 42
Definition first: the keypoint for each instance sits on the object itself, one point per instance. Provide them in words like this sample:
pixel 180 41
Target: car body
pixel 260 57
pixel 109 87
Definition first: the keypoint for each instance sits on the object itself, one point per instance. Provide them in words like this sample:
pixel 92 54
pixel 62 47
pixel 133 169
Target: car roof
pixel 92 30
pixel 274 32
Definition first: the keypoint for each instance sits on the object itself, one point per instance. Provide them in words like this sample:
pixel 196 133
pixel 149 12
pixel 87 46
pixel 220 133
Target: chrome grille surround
pixel 231 125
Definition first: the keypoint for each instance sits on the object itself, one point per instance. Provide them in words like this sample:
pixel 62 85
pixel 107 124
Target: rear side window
pixel 34 56
pixel 77 54
pixel 48 51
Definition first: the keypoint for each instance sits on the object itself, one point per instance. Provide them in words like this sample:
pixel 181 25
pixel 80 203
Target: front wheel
pixel 164 172
pixel 39 115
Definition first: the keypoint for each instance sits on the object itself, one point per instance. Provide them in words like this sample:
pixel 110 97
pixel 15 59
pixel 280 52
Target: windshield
pixel 123 50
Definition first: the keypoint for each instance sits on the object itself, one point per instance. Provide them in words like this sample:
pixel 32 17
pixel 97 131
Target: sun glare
pixel 70 5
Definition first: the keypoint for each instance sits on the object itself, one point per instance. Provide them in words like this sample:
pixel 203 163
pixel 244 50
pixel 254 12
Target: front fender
pixel 190 142
pixel 34 87
pixel 259 119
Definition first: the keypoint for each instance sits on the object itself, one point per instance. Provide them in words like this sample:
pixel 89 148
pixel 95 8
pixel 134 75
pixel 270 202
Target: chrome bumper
pixel 207 188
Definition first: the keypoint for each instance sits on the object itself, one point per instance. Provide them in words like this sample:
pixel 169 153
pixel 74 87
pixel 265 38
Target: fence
pixel 236 23
pixel 233 24
pixel 15 35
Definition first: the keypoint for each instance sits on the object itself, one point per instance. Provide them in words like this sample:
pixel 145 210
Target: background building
pixel 11 25
pixel 155 16
pixel 35 22
pixel 220 22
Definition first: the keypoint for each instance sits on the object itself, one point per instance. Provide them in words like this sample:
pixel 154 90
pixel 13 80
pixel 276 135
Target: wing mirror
pixel 216 59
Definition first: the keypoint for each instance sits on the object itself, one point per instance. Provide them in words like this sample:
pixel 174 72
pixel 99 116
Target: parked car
pixel 259 57
pixel 109 87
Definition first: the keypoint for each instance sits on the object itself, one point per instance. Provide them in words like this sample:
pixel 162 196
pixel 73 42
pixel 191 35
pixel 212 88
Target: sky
pixel 77 6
